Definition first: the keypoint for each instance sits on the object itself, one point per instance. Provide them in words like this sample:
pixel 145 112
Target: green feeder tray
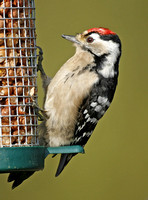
pixel 30 158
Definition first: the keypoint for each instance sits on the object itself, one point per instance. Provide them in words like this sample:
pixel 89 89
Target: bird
pixel 82 90
pixel 80 93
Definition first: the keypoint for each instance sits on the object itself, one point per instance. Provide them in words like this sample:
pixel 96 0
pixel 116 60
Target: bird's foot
pixel 38 111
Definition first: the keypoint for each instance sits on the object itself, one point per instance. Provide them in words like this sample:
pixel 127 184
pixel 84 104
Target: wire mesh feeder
pixel 17 74
pixel 19 146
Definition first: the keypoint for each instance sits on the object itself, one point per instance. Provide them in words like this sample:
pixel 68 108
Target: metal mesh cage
pixel 18 73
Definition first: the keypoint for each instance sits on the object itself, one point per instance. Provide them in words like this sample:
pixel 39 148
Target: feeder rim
pixel 52 150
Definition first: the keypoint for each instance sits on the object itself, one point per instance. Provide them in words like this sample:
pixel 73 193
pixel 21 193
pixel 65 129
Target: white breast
pixel 65 94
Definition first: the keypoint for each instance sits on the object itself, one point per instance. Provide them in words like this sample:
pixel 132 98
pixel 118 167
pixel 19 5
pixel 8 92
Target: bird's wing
pixel 86 122
pixel 91 110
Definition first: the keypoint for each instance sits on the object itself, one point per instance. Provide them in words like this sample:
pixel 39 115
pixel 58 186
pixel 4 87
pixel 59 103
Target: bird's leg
pixel 45 79
pixel 39 112
pixel 39 65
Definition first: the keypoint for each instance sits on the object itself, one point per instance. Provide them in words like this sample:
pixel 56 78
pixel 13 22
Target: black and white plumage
pixel 91 110
pixel 80 92
pixel 104 48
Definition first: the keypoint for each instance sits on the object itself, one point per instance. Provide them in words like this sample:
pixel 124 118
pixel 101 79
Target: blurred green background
pixel 115 166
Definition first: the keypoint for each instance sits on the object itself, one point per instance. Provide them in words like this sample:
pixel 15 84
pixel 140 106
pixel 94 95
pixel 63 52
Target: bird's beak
pixel 71 38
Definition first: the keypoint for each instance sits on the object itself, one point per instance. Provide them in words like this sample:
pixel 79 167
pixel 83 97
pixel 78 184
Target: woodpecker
pixel 80 92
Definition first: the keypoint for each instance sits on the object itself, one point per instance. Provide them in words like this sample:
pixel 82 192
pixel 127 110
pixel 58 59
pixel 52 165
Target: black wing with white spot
pixel 92 109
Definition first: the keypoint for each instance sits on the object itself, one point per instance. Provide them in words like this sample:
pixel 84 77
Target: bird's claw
pixel 37 110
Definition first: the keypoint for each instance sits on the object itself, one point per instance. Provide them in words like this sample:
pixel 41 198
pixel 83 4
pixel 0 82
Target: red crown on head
pixel 101 31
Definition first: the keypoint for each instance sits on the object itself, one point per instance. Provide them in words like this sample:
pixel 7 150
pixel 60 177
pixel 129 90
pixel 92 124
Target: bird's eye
pixel 90 39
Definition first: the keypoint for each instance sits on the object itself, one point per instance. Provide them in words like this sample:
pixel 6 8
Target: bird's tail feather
pixel 19 177
pixel 64 160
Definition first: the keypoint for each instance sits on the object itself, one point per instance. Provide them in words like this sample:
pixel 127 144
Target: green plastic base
pixel 21 158
pixel 30 158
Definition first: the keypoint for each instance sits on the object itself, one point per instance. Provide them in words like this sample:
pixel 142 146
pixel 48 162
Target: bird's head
pixel 99 41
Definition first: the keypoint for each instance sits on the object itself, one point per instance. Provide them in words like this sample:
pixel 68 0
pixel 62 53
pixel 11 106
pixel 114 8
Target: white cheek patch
pixel 100 47
pixel 108 65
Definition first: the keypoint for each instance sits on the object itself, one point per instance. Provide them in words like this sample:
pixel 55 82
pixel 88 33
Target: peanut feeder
pixel 19 146
pixel 18 121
